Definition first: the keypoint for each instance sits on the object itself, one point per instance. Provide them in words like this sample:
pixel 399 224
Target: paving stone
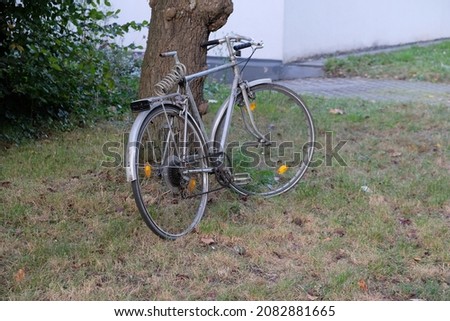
pixel 373 89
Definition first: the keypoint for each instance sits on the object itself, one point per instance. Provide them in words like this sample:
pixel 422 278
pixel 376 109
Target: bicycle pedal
pixel 241 178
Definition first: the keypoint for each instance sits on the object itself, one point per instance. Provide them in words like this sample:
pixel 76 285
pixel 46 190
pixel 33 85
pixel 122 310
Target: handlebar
pixel 210 43
pixel 243 42
pixel 249 42
pixel 242 46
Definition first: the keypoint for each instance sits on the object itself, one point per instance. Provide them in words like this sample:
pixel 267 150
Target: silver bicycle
pixel 260 143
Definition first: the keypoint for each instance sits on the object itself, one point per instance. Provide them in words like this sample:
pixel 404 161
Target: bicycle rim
pixel 170 200
pixel 284 120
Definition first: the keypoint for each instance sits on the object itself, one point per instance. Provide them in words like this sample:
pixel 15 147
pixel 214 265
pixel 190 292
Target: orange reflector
pixel 148 170
pixel 192 185
pixel 283 169
pixel 253 106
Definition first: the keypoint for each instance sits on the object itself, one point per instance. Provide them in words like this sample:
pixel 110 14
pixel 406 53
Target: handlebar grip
pixel 242 46
pixel 210 43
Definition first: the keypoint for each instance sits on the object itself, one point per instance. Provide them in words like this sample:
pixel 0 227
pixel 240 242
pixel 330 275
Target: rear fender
pixel 133 142
pixel 132 146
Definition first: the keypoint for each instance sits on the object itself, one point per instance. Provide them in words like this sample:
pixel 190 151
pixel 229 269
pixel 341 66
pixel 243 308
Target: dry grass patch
pixel 70 229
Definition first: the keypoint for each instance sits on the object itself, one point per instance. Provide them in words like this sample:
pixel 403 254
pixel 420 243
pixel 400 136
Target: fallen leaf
pixel 256 270
pixel 363 285
pixel 182 277
pixel 243 198
pixel 417 259
pixel 340 255
pixel 208 241
pixel 6 184
pixel 278 255
pixel 405 221
pixel 395 154
pixel 339 232
pixel 20 275
pixel 336 111
pixel 312 297
pixel 298 221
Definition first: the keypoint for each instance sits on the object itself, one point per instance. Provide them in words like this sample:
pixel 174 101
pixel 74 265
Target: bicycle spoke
pixel 274 163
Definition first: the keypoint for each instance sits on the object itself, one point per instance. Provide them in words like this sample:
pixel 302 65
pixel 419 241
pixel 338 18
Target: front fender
pixel 259 82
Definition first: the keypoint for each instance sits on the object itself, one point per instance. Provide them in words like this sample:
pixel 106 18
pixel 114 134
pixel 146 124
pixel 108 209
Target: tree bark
pixel 181 25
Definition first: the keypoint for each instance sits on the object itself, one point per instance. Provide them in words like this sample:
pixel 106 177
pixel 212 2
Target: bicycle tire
pixel 281 115
pixel 170 201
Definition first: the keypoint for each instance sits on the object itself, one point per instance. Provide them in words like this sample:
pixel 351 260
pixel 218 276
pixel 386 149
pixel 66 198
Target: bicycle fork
pixel 251 128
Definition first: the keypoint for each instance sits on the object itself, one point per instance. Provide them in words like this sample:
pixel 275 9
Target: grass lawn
pixel 374 228
pixel 70 229
pixel 430 63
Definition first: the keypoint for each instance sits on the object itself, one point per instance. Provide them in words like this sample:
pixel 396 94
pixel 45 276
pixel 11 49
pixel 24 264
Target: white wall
pixel 326 26
pixel 293 29
pixel 260 20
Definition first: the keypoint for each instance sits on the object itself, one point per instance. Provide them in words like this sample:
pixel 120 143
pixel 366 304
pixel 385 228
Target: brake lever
pixel 258 45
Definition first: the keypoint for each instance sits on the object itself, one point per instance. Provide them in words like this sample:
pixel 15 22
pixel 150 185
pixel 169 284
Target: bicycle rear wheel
pixel 170 196
pixel 276 165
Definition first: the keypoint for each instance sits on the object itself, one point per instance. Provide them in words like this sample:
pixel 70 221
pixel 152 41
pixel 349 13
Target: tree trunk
pixel 181 25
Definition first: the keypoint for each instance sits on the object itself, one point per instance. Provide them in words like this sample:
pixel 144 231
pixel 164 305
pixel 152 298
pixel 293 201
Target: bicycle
pixel 260 143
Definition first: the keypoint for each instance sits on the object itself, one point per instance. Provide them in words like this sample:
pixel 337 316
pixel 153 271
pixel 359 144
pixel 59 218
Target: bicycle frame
pixel 227 107
pixel 226 110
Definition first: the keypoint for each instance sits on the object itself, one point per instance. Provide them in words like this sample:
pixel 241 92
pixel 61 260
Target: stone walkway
pixel 373 89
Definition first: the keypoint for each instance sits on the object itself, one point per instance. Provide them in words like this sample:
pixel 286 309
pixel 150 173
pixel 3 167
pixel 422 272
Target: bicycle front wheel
pixel 171 186
pixel 275 164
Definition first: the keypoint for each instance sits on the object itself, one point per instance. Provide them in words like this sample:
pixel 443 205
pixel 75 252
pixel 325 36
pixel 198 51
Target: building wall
pixel 294 29
pixel 326 26
pixel 260 20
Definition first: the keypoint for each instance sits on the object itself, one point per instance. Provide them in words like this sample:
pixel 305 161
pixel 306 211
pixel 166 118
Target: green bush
pixel 59 65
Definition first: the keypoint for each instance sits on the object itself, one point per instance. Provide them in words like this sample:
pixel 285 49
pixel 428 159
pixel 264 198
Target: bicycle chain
pixel 223 177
